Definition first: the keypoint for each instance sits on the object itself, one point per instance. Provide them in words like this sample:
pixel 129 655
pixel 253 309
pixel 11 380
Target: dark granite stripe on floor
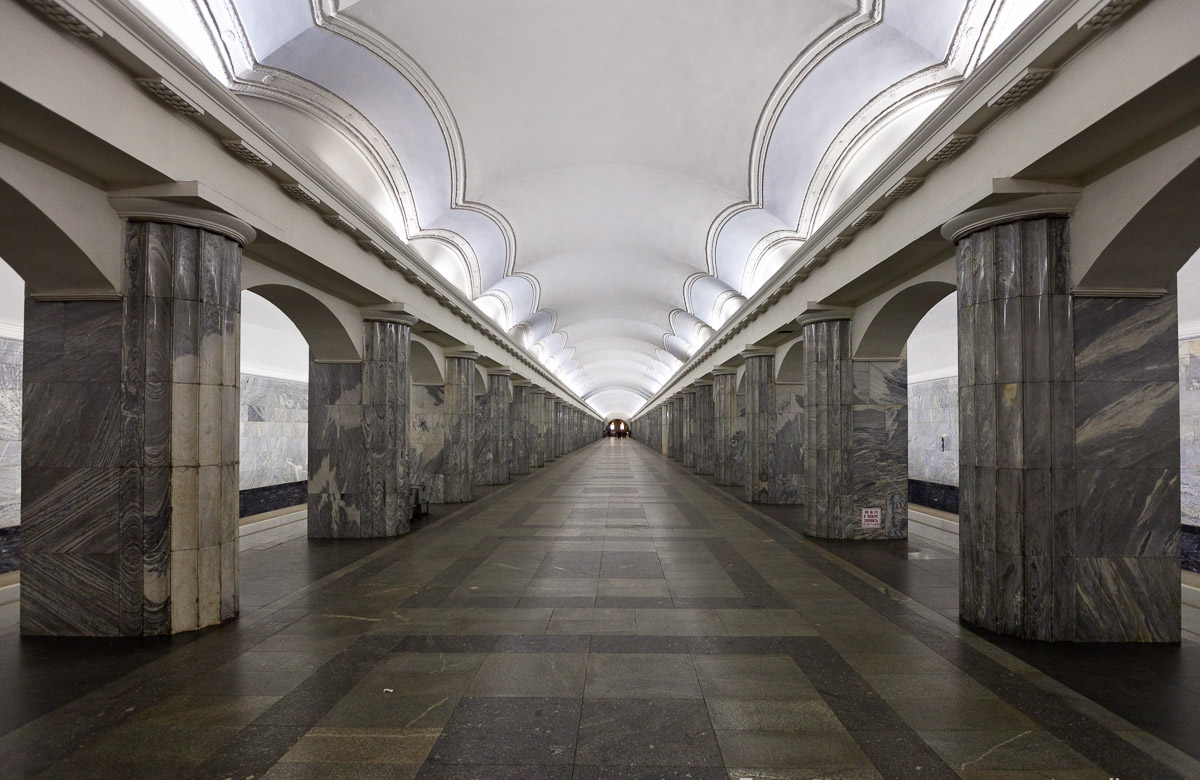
pixel 1076 730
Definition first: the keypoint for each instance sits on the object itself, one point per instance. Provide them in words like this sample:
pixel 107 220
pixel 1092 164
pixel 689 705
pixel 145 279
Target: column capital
pixel 704 382
pixel 724 371
pixel 499 371
pixel 756 352
pixel 148 209
pixel 465 353
pixel 818 313
pixel 1044 205
pixel 390 312
pixel 521 383
pixel 691 390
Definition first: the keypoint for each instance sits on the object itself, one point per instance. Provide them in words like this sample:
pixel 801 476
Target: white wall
pixel 271 344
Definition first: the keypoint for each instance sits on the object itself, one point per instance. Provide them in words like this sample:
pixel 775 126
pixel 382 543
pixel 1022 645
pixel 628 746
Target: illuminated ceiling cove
pixel 607 181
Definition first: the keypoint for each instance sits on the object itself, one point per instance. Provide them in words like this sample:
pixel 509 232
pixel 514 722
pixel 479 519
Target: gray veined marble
pixel 459 450
pixel 687 428
pixel 725 419
pixel 537 428
pixel 358 484
pixel 498 438
pixel 856 445
pixel 130 468
pixel 1070 479
pixel 519 424
pixel 427 440
pixel 705 427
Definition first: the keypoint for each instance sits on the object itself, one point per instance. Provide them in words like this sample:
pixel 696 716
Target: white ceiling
pixel 608 179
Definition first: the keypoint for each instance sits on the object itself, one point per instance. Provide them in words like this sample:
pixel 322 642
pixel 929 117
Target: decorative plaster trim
pixel 1060 203
pixel 153 210
pixel 277 373
pixel 932 376
pixel 1189 331
pixel 12 331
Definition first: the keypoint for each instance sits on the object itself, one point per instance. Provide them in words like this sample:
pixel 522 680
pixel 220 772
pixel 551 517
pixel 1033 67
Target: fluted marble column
pixel 537 427
pixel 856 419
pixel 459 452
pixel 687 427
pixel 560 428
pixel 724 425
pixel 498 435
pixel 129 462
pixel 548 432
pixel 1069 414
pixel 518 421
pixel 358 438
pixel 705 425
pixel 760 424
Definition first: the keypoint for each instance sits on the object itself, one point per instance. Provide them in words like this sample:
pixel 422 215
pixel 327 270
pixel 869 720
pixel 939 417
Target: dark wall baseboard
pixel 1190 547
pixel 255 501
pixel 10 548
pixel 933 495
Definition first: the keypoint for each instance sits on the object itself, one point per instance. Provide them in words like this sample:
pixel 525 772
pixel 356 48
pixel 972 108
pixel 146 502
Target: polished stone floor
pixel 608 617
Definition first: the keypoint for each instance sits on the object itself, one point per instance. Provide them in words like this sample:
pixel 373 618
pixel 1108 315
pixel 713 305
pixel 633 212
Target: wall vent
pixel 1106 13
pixel 338 222
pixel 867 219
pixel 950 147
pixel 65 16
pixel 1021 87
pixel 170 94
pixel 246 152
pixel 301 193
pixel 905 186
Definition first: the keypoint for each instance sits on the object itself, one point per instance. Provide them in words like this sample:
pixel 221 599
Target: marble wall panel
pixel 537 427
pixel 10 432
pixel 273 443
pixel 687 426
pixel 760 427
pixel 358 440
pixel 499 427
pixel 933 431
pixel 705 428
pixel 549 428
pixel 738 446
pixel 725 409
pixel 484 436
pixel 787 451
pixel 857 438
pixel 1189 441
pixel 458 461
pixel 427 440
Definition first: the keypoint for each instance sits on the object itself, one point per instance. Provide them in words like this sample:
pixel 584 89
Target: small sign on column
pixel 872 517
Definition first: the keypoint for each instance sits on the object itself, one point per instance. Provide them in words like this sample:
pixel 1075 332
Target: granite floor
pixel 607 617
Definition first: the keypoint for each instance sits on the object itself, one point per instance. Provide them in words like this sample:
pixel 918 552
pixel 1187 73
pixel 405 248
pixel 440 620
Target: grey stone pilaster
pixel 129 464
pixel 856 438
pixel 560 428
pixel 459 451
pixel 760 424
pixel 499 434
pixel 537 427
pixel 705 425
pixel 1069 476
pixel 358 485
pixel 687 425
pixel 724 425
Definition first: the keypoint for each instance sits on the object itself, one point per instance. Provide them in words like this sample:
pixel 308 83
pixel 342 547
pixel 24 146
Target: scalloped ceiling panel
pixel 607 180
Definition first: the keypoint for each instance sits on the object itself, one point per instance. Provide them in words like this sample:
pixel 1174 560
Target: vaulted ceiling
pixel 608 180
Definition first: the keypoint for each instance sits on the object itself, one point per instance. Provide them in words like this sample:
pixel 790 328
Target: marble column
pixel 537 427
pixel 560 428
pixel 499 433
pixel 129 462
pixel 358 484
pixel 856 437
pixel 760 424
pixel 724 425
pixel 1069 418
pixel 705 425
pixel 459 452
pixel 687 427
pixel 548 432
